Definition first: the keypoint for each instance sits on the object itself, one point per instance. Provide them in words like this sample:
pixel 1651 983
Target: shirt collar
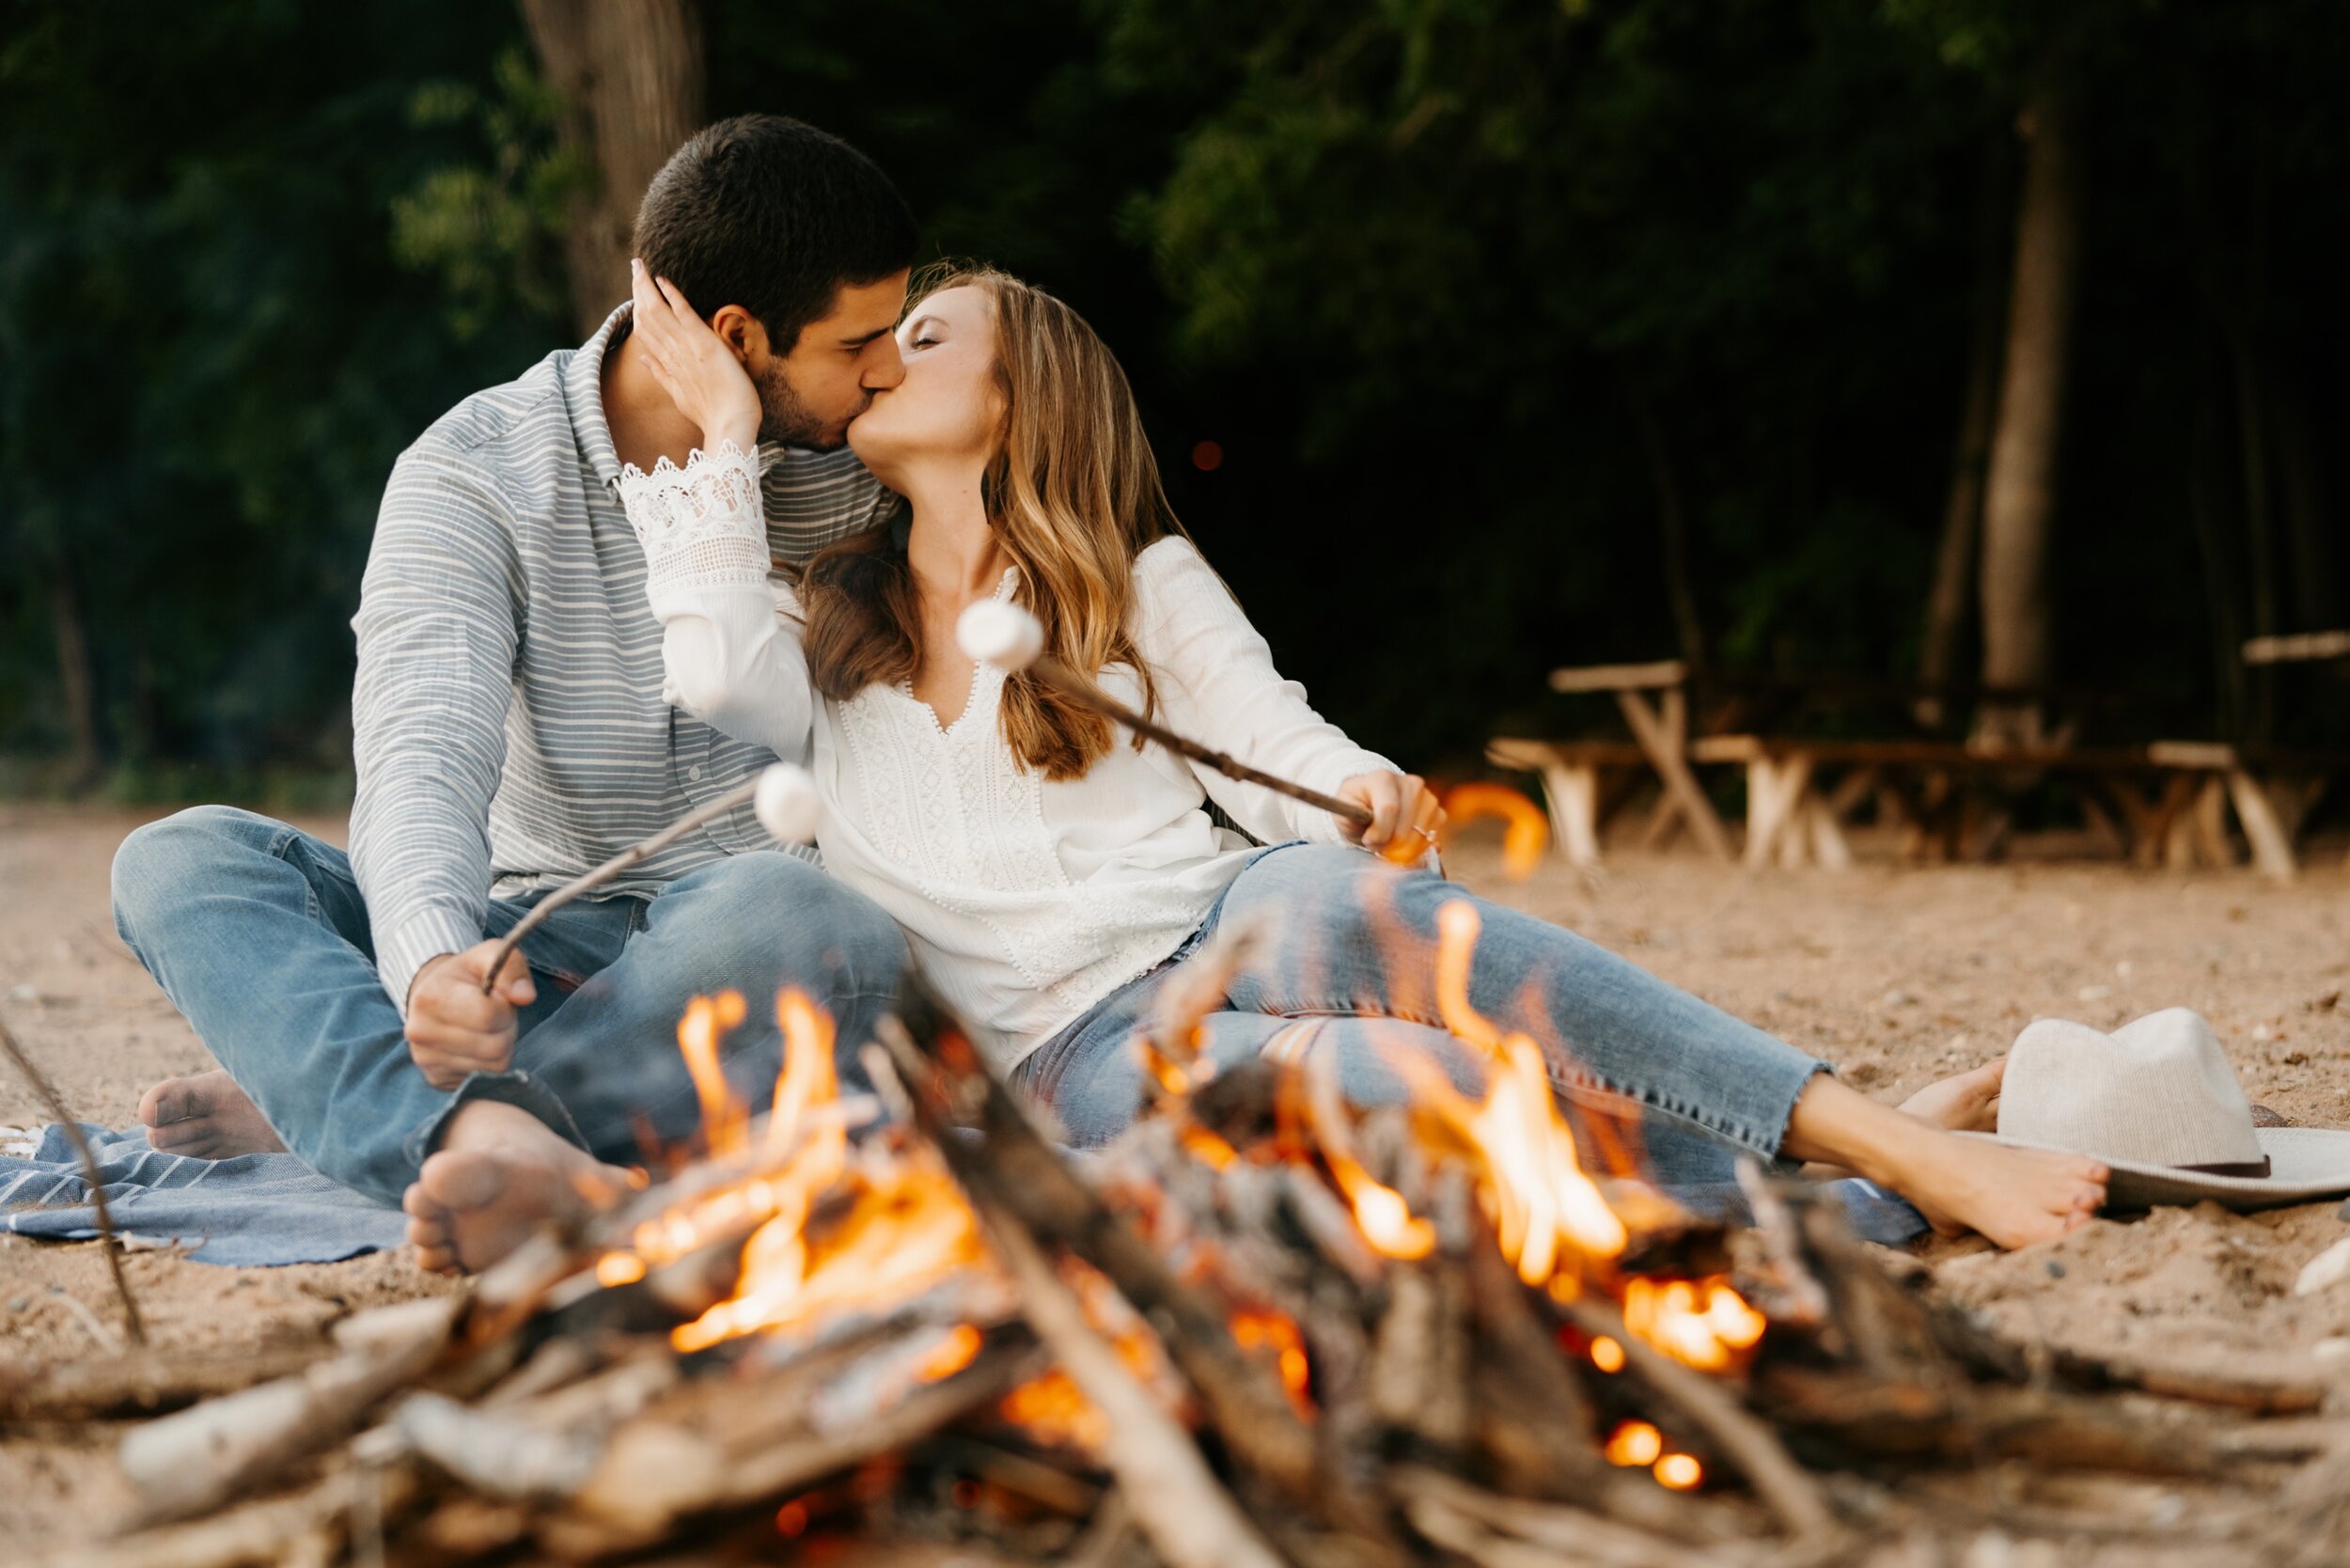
pixel 583 393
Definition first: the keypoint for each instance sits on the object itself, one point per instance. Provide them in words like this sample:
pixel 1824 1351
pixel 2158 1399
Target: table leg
pixel 1665 747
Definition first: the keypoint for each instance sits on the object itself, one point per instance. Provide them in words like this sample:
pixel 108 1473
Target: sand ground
pixel 1897 975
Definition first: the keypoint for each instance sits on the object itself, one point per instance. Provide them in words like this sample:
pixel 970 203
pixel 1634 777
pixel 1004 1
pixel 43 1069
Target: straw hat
pixel 2158 1101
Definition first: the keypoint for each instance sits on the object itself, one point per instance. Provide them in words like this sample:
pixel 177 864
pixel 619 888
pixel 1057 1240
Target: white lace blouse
pixel 1025 901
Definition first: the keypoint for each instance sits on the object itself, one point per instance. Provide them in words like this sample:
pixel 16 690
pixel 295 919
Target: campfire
pixel 1264 1327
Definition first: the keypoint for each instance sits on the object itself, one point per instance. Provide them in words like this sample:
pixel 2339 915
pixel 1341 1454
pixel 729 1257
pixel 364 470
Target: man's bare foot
pixel 2015 1197
pixel 206 1117
pixel 1966 1103
pixel 501 1175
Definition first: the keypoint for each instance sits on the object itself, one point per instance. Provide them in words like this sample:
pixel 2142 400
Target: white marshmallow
pixel 788 805
pixel 1001 634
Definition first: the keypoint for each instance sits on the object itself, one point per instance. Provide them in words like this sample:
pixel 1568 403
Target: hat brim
pixel 2305 1164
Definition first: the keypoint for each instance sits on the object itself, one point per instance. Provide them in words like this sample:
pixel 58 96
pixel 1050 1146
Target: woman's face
pixel 950 407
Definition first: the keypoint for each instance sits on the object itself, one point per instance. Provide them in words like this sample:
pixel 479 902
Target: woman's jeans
pixel 258 935
pixel 1344 953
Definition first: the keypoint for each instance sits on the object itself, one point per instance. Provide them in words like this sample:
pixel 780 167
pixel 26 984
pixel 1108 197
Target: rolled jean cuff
pixel 513 1088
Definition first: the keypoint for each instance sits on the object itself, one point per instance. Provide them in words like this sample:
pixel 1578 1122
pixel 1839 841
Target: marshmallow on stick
pixel 783 795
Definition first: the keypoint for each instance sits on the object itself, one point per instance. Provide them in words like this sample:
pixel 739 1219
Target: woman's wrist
pixel 740 429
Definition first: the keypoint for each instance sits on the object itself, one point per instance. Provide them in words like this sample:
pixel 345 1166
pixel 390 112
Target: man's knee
pixel 776 911
pixel 174 854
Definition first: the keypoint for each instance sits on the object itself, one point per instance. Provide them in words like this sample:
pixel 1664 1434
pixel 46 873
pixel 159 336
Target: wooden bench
pixel 2169 801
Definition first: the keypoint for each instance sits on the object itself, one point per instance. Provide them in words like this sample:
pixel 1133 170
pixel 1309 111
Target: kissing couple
pixel 740 523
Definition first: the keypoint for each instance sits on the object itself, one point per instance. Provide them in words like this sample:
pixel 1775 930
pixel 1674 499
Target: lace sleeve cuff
pixel 702 526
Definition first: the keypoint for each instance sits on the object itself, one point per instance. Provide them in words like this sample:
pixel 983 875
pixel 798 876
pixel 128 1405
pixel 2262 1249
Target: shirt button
pixel 695 773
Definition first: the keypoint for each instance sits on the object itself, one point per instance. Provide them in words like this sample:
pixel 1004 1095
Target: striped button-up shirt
pixel 509 729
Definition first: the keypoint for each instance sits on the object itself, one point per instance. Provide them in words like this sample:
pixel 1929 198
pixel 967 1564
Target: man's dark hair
pixel 773 215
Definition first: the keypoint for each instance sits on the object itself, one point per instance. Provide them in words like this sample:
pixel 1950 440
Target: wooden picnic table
pixel 2165 803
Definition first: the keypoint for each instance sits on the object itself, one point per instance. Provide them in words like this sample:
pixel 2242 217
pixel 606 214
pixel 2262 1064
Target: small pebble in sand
pixel 2095 993
pixel 19 1304
pixel 24 993
pixel 1893 999
pixel 2332 1348
pixel 2056 1270
pixel 2263 1034
pixel 2122 971
pixel 2325 1269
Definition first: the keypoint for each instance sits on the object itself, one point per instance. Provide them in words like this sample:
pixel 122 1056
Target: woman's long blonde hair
pixel 1073 495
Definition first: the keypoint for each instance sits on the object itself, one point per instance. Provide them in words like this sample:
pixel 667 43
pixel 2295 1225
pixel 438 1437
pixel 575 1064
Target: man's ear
pixel 743 332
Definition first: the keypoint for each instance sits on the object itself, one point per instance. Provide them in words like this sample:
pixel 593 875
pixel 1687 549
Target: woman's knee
pixel 1326 887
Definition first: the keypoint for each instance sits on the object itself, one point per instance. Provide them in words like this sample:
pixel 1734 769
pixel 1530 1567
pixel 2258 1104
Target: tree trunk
pixel 631 76
pixel 1954 592
pixel 76 679
pixel 1673 527
pixel 2020 495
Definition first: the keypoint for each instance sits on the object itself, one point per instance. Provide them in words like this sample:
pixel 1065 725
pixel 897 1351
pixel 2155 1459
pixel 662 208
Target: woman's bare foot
pixel 206 1116
pixel 501 1175
pixel 2014 1196
pixel 1966 1103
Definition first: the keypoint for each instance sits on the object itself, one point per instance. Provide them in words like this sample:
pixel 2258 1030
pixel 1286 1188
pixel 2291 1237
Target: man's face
pixel 832 372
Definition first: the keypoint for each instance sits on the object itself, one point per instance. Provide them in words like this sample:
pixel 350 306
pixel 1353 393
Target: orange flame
pixel 706 1018
pixel 907 1229
pixel 1537 1189
pixel 1524 833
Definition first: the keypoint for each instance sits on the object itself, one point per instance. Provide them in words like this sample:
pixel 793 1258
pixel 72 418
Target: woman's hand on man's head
pixel 1401 805
pixel 693 364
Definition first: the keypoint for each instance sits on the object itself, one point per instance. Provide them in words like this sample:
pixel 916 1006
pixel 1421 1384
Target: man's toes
pixel 455 1181
pixel 166 1102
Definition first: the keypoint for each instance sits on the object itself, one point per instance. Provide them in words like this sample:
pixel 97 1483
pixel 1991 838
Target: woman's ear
pixel 744 333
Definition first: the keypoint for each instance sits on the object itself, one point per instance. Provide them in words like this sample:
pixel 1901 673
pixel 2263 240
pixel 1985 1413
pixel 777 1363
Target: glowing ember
pixel 619 1268
pixel 792 1518
pixel 1607 1354
pixel 1634 1445
pixel 1526 833
pixel 1680 1471
pixel 1271 1330
pixel 1056 1414
pixel 1701 1326
pixel 1205 1147
pixel 957 1351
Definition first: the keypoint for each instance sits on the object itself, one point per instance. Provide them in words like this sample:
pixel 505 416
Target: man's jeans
pixel 258 935
pixel 1346 948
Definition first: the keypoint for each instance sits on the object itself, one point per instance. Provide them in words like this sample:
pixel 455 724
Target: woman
pixel 1053 876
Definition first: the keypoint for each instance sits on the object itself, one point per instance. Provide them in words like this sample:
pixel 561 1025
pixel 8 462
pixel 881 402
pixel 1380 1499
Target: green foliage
pixel 493 231
pixel 1443 279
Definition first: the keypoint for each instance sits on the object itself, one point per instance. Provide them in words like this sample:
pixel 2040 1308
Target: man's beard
pixel 788 420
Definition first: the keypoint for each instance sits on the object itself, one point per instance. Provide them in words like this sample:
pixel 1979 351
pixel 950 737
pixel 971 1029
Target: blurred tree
pixel 629 76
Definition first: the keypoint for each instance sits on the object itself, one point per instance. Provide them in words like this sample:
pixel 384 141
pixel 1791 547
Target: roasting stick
pixel 1010 639
pixel 133 1323
pixel 783 794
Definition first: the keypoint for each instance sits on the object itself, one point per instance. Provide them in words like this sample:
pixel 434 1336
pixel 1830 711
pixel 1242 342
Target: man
pixel 510 732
